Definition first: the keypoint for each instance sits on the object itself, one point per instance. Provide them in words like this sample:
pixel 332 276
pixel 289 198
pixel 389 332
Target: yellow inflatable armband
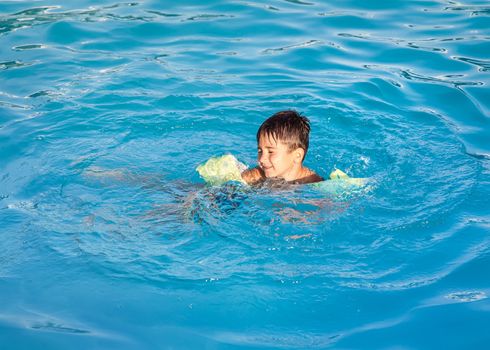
pixel 340 182
pixel 218 170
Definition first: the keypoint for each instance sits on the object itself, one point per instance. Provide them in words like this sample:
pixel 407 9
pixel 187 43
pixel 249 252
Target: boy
pixel 282 145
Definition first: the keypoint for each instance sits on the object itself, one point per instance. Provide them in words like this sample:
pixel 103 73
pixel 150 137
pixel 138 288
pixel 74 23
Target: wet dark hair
pixel 288 127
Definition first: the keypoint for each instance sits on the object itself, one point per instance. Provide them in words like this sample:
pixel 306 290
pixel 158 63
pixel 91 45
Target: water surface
pixel 110 240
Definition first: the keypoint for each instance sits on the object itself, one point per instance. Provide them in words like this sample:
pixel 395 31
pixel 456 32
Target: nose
pixel 262 159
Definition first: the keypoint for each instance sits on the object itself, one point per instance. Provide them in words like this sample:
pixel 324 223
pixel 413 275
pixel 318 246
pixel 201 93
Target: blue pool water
pixel 109 240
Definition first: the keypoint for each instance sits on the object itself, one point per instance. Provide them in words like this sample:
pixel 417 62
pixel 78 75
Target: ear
pixel 299 153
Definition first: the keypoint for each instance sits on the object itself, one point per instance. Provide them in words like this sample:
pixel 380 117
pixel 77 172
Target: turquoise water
pixel 109 240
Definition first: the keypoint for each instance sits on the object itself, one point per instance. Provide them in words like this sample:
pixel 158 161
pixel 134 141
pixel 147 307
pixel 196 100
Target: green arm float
pixel 218 170
pixel 339 183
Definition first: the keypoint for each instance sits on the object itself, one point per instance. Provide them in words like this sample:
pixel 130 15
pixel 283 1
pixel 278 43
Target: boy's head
pixel 283 141
pixel 288 127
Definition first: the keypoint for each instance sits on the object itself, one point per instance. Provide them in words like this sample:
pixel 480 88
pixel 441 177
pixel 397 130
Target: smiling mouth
pixel 268 171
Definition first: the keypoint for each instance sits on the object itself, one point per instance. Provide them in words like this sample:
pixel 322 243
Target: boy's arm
pixel 252 176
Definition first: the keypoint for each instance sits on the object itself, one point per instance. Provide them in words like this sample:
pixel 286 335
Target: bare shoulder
pixel 252 176
pixel 310 177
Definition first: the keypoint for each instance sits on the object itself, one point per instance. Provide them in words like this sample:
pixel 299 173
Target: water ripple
pixel 291 47
pixel 29 47
pixel 47 14
pixel 483 65
pixel 14 64
pixel 448 79
pixel 207 17
pixel 467 296
pixel 299 2
pixel 471 10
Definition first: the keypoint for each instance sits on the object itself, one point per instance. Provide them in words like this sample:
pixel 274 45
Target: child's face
pixel 276 160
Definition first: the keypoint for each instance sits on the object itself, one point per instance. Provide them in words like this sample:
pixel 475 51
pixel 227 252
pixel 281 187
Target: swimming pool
pixel 109 239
